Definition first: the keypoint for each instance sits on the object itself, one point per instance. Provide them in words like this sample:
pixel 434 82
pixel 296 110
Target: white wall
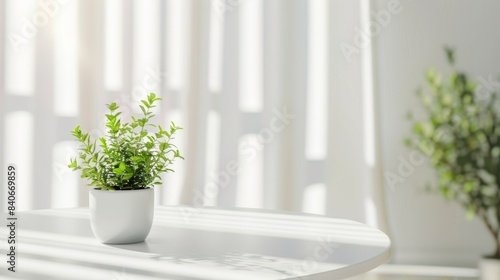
pixel 426 229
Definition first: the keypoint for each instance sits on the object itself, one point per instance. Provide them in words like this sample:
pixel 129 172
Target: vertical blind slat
pixel 43 113
pixel 345 157
pixel 200 92
pixel 2 104
pixel 230 115
pixel 275 196
pixel 197 98
pixel 298 22
pixel 90 74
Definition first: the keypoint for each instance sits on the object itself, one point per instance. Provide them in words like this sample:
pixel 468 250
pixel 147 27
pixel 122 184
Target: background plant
pixel 461 134
pixel 130 155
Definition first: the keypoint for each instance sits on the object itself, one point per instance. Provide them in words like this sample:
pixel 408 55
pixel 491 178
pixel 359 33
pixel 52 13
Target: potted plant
pixel 123 167
pixel 461 135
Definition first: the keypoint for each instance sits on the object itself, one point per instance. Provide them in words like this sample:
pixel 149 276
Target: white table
pixel 197 243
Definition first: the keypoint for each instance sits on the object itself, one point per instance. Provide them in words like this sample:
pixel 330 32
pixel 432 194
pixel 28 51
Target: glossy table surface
pixel 196 243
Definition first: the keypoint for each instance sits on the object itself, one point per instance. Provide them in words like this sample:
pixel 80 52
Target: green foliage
pixel 461 136
pixel 130 156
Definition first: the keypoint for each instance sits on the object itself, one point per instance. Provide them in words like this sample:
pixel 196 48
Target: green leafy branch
pixel 462 139
pixel 131 155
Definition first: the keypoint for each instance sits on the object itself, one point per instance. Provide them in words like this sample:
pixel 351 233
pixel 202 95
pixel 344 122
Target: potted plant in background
pixel 461 135
pixel 123 167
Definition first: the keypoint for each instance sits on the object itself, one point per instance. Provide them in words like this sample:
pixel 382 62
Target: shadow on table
pixel 232 251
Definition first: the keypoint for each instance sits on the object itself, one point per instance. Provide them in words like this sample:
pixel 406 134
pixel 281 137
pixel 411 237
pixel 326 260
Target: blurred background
pixel 307 98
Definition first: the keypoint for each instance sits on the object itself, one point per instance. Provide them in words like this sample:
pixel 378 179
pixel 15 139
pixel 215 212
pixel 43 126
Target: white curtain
pixel 275 115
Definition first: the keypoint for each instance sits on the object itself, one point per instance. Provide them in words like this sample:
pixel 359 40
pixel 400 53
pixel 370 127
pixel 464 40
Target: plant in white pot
pixel 461 135
pixel 123 167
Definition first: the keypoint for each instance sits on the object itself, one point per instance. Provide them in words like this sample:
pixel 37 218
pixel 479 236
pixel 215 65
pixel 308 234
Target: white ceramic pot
pixel 121 217
pixel 489 269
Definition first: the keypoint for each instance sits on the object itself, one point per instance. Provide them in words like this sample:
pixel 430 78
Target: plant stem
pixel 497 246
pixel 494 233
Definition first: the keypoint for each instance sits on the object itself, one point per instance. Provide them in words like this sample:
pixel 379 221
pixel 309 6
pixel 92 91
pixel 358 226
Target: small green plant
pixel 461 135
pixel 129 156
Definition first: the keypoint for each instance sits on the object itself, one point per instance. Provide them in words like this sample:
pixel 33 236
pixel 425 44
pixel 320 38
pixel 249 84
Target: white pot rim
pixel 488 258
pixel 97 189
